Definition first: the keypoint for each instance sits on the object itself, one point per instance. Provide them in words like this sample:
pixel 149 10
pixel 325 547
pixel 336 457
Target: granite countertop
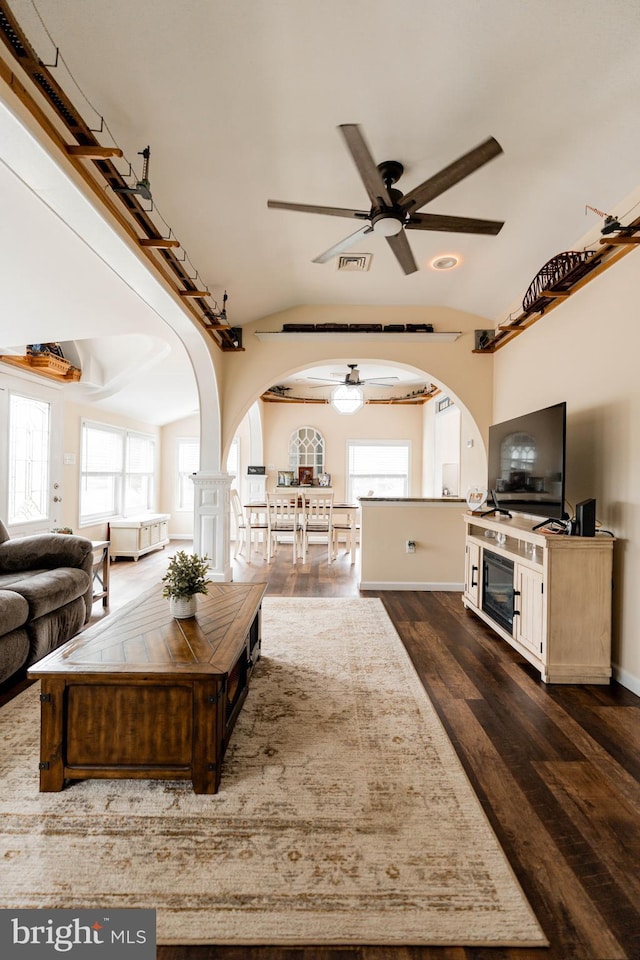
pixel 411 500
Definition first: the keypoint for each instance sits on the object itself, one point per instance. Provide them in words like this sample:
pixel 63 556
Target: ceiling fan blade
pixel 451 175
pixel 313 208
pixel 380 381
pixel 343 245
pixel 432 221
pixel 400 246
pixel 369 173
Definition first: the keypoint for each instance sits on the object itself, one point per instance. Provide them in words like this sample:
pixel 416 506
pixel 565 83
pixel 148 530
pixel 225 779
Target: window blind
pixel 102 449
pixel 386 459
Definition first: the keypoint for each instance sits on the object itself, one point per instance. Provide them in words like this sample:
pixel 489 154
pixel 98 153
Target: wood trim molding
pixel 45 366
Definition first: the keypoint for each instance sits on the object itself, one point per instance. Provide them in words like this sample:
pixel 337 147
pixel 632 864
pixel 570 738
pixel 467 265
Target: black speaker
pixel 586 518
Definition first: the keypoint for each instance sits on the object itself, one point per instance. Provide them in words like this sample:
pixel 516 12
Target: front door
pixel 30 456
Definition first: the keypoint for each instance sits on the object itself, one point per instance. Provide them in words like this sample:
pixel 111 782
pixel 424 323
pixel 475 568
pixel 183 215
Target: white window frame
pixel 373 442
pixel 32 465
pixel 119 474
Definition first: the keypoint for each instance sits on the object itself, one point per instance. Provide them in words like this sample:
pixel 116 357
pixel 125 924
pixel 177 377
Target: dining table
pixel 256 517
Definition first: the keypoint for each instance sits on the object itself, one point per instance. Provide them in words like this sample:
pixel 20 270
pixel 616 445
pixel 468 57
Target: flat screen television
pixel 527 463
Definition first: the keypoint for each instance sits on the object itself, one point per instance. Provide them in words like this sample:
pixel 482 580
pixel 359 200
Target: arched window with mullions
pixel 306 449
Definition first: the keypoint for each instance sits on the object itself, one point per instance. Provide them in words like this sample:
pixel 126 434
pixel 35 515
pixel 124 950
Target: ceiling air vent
pixel 356 263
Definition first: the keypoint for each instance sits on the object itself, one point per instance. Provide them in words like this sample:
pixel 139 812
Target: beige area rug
pixel 344 815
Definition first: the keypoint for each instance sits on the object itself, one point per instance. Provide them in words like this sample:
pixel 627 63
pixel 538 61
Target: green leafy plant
pixel 186 575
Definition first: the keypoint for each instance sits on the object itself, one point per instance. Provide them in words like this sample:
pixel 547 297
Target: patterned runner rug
pixel 344 815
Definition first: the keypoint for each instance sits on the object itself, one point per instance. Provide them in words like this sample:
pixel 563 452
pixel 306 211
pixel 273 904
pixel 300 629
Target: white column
pixel 211 527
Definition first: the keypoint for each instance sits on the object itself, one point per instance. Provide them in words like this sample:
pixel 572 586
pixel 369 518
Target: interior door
pixel 31 482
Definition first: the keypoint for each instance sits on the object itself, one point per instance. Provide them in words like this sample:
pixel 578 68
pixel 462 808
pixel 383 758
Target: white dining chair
pixel 250 526
pixel 241 526
pixel 283 517
pixel 345 525
pixel 317 520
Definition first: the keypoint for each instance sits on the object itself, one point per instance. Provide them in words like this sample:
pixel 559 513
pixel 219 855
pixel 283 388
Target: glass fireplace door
pixel 497 588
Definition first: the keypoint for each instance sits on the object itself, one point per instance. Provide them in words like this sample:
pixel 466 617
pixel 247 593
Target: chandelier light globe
pixel 347 400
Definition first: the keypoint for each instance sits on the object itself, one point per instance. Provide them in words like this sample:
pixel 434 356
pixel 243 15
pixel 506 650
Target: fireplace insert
pixel 497 588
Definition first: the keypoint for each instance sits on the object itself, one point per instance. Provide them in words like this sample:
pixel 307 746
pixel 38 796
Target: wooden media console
pixel 548 595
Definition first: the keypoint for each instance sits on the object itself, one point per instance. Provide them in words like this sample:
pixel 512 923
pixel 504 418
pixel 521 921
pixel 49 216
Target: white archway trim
pixel 25 152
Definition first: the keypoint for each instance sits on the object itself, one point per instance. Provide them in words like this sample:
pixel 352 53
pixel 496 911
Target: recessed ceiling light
pixel 445 263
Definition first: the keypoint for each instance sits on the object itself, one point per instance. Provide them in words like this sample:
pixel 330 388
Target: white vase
pixel 182 607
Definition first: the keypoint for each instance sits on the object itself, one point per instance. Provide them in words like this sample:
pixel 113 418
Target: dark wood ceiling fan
pixel 353 379
pixel 391 211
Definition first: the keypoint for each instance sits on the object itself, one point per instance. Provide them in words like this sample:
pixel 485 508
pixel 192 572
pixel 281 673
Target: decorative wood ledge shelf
pixel 45 365
pixel 582 267
pixel 417 399
pixel 349 334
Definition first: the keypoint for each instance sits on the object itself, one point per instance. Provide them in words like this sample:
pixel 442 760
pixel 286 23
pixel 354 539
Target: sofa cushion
pixel 45 551
pixel 3 532
pixel 48 632
pixel 7 580
pixel 14 652
pixel 14 610
pixel 52 589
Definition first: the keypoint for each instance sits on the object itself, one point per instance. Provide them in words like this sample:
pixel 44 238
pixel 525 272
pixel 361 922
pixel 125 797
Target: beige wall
pixel 586 352
pixel 371 421
pixel 438 531
pixel 466 376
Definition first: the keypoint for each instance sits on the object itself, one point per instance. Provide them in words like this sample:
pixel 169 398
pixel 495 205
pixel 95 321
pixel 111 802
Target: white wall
pixel 181 523
pixel 586 352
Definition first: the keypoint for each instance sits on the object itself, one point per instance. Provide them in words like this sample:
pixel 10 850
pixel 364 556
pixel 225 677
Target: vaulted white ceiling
pixel 240 102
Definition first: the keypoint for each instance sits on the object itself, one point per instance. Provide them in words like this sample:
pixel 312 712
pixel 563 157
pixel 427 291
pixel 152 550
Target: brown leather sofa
pixel 46 595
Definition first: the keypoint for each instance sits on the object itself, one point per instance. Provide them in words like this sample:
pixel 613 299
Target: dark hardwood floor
pixel 555 767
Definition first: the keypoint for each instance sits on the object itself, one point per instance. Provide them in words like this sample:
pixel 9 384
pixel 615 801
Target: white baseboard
pixel 387 585
pixel 180 536
pixel 627 679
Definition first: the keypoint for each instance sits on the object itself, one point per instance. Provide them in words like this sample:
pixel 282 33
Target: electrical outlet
pixel 411 546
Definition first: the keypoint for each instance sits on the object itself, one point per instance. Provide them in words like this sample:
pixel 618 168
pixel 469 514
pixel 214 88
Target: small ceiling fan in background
pixel 391 211
pixel 352 379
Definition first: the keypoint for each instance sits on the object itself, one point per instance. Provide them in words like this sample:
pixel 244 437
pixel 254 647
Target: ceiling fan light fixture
pixel 386 226
pixel 447 262
pixel 347 399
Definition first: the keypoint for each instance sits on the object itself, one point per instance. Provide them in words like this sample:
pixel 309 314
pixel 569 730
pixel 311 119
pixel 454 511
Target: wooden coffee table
pixel 142 695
